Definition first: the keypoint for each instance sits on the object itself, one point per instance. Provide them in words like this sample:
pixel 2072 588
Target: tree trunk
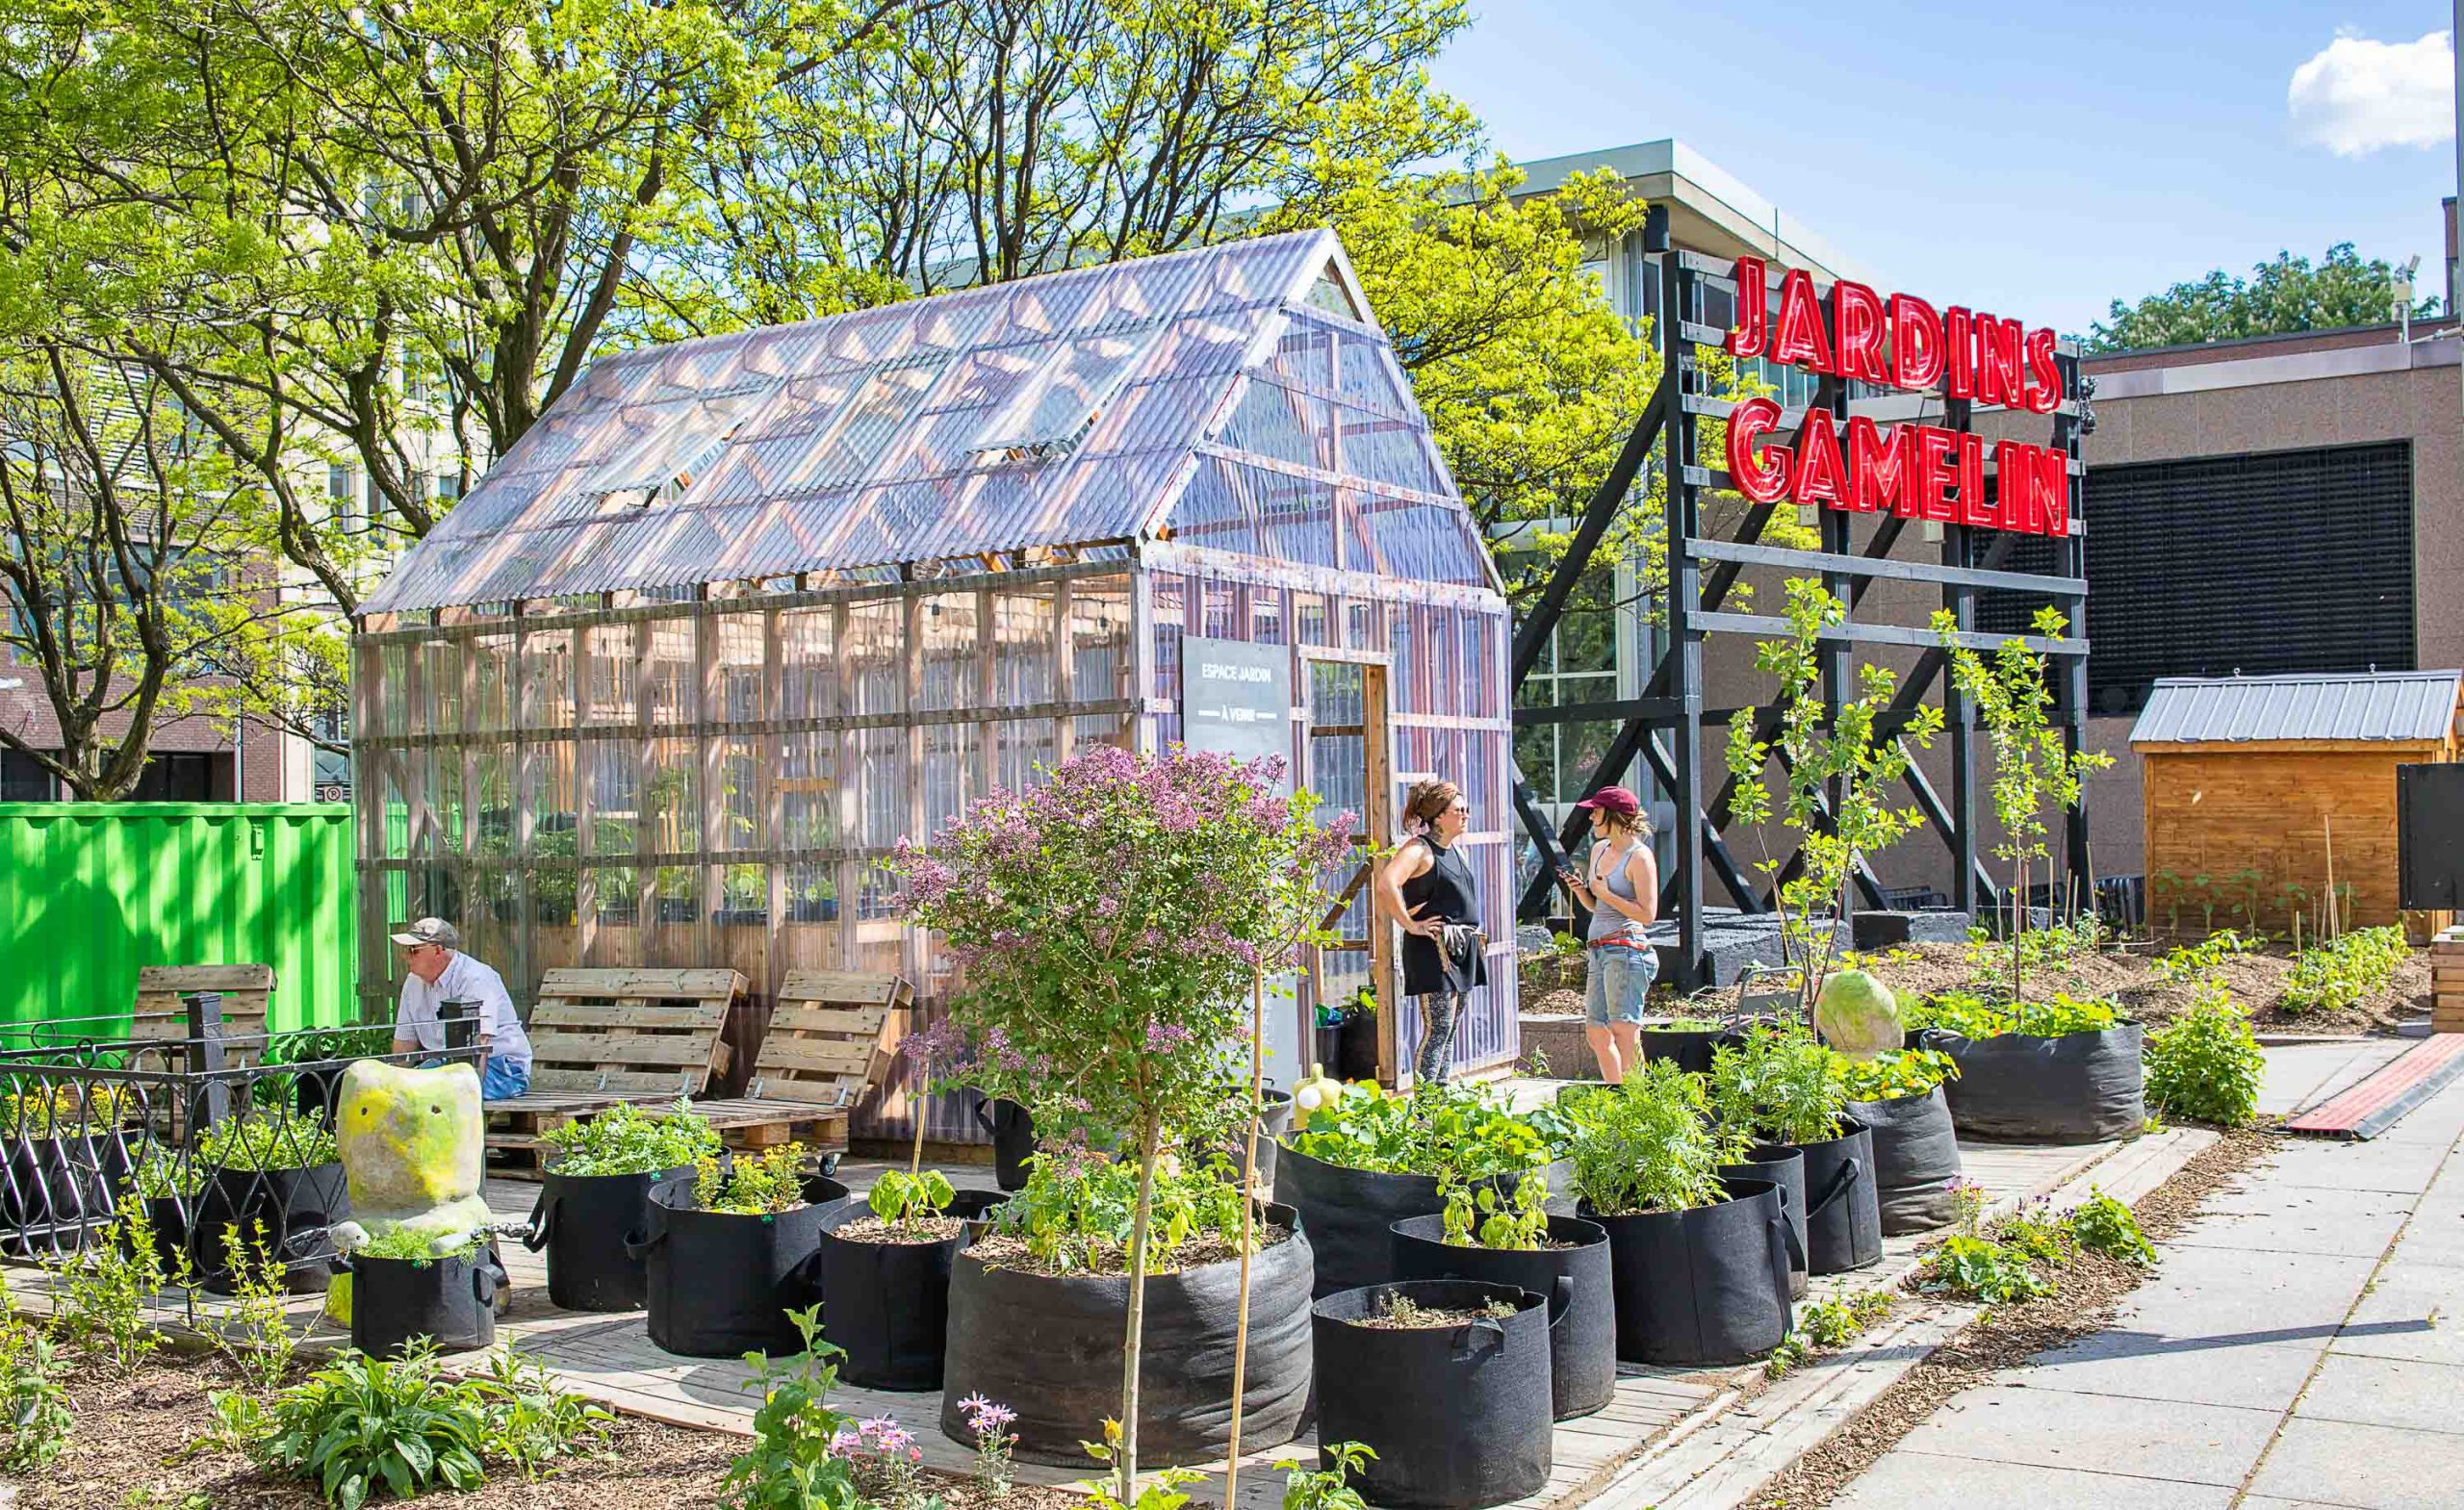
pixel 1125 1467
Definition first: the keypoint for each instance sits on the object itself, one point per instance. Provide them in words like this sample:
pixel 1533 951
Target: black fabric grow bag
pixel 43 1195
pixel 449 1300
pixel 2082 1087
pixel 1844 1227
pixel 721 1285
pixel 297 1208
pixel 1785 1167
pixel 1690 1047
pixel 1916 1160
pixel 1583 1308
pixel 1013 1132
pixel 890 1304
pixel 583 1221
pixel 1458 1415
pixel 1050 1347
pixel 1348 1212
pixel 1707 1286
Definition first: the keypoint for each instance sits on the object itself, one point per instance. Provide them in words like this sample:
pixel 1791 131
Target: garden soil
pixel 130 1429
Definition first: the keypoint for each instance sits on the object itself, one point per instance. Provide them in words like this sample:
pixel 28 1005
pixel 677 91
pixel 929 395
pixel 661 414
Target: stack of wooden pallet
pixel 2447 981
pixel 162 1011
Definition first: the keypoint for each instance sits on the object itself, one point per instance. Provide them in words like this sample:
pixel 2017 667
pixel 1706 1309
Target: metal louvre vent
pixel 2257 564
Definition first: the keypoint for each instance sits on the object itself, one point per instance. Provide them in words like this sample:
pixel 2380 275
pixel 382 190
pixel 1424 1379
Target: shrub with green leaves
pixel 1893 1077
pixel 1646 1145
pixel 34 1403
pixel 2206 1065
pixel 2346 972
pixel 100 1291
pixel 1777 1087
pixel 1430 1130
pixel 626 1140
pixel 2104 1226
pixel 907 1201
pixel 794 1462
pixel 1478 1218
pixel 1327 1489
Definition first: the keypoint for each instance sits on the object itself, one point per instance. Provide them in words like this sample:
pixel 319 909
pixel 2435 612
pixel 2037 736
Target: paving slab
pixel 2405 1393
pixel 2304 1074
pixel 1924 1481
pixel 2107 1434
pixel 2356 1224
pixel 2241 1296
pixel 2195 1371
pixel 2412 1311
pixel 2406 1169
pixel 2376 1468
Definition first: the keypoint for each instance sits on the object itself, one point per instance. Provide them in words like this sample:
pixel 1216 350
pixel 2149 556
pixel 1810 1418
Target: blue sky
pixel 2038 161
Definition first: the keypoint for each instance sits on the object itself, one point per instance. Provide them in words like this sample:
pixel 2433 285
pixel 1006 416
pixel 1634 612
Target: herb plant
pixel 267 1138
pixel 754 1185
pixel 1777 1087
pixel 161 1174
pixel 1084 1218
pixel 2105 1226
pixel 1431 1130
pixel 907 1201
pixel 362 1428
pixel 256 1335
pixel 625 1139
pixel 1972 1016
pixel 415 1248
pixel 1980 1268
pixel 1478 1219
pixel 1823 1325
pixel 33 1402
pixel 99 1295
pixel 2346 971
pixel 1328 1489
pixel 2206 1064
pixel 1645 1146
pixel 1893 1077
pixel 794 1462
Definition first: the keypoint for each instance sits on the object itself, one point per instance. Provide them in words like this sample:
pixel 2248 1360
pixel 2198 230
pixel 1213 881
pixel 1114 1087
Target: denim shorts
pixel 1616 980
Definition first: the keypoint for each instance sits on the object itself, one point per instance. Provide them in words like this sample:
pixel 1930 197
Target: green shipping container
pixel 90 891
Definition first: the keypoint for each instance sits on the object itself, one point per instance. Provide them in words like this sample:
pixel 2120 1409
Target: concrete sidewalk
pixel 2302 1344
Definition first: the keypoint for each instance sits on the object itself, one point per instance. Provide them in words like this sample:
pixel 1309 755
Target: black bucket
pixel 43 1195
pixel 1348 1212
pixel 583 1221
pixel 1050 1347
pixel 1844 1227
pixel 1583 1306
pixel 296 1206
pixel 1916 1160
pixel 449 1300
pixel 721 1285
pixel 1690 1047
pixel 1700 1287
pixel 1357 1057
pixel 1785 1167
pixel 1458 1415
pixel 1013 1132
pixel 890 1304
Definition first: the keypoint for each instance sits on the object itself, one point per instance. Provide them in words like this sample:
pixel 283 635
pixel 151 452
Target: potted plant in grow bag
pixel 1689 1043
pixel 1699 1265
pixel 1517 1241
pixel 168 1183
pixel 1370 1158
pixel 315 1091
pixel 406 1289
pixel 66 1158
pixel 728 1249
pixel 276 1171
pixel 1445 1381
pixel 1775 1097
pixel 885 1272
pixel 1036 1309
pixel 595 1190
pixel 1898 1098
pixel 1112 924
pixel 2057 1071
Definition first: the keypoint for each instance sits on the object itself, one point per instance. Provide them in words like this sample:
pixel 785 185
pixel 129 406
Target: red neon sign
pixel 1918 471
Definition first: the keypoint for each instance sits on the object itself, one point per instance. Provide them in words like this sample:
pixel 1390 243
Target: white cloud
pixel 2357 95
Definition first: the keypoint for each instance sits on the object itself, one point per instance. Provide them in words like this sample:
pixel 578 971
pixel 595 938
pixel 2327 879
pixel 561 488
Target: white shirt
pixel 464 980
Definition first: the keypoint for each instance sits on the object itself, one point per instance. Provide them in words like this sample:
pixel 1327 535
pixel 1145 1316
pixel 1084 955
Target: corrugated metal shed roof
pixel 2393 706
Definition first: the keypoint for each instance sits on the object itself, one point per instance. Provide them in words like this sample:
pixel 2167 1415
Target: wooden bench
pixel 161 1016
pixel 603 1037
pixel 829 1041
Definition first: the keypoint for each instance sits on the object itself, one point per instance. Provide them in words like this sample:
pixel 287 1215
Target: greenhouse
pixel 742 612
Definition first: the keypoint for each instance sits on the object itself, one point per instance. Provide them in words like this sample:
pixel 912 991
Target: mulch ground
pixel 131 1432
pixel 2085 1302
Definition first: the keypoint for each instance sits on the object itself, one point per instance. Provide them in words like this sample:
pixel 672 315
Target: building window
pixel 1578 666
pixel 341 486
pixel 2259 564
pixel 22 780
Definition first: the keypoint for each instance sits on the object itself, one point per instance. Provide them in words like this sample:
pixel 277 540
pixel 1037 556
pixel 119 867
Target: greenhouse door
pixel 1351 764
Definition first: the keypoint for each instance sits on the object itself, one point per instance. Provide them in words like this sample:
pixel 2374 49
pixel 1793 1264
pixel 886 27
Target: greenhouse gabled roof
pixel 1232 395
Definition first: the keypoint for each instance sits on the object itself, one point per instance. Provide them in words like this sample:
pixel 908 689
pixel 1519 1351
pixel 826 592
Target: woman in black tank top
pixel 1427 887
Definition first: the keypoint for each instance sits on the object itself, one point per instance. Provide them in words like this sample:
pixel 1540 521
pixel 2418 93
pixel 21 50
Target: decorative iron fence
pixel 217 1146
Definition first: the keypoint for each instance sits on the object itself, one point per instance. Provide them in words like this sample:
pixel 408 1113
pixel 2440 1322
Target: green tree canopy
pixel 2279 296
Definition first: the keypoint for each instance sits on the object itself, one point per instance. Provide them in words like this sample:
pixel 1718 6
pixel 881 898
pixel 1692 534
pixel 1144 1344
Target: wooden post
pixel 1248 1206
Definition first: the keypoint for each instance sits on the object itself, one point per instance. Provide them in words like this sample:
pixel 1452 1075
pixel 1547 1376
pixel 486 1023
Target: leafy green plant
pixel 1163 1491
pixel 42 1106
pixel 33 1402
pixel 2206 1065
pixel 753 1185
pixel 99 1293
pixel 2191 962
pixel 362 1428
pixel 1778 1086
pixel 1840 768
pixel 1646 1146
pixel 161 1174
pixel 1431 1130
pixel 626 1140
pixel 256 1334
pixel 2344 972
pixel 991 1422
pixel 1478 1219
pixel 267 1138
pixel 2103 1226
pixel 1327 1489
pixel 416 1247
pixel 1893 1077
pixel 1081 1217
pixel 314 1045
pixel 1824 1325
pixel 2036 1236
pixel 794 1462
pixel 907 1201
pixel 1972 1016
pixel 532 1420
pixel 1980 1268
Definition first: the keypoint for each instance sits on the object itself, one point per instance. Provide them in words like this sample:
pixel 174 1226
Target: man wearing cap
pixel 436 971
pixel 1622 890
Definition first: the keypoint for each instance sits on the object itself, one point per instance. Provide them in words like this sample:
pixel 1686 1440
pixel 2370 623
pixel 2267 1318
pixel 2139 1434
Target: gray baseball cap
pixel 430 930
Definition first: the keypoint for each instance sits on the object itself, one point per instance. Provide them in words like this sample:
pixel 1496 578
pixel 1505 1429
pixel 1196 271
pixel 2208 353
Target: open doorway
pixel 1351 763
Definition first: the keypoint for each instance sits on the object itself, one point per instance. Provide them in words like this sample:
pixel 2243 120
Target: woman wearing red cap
pixel 1622 890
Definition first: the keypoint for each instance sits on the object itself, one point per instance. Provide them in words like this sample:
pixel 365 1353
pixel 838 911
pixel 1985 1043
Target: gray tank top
pixel 1608 922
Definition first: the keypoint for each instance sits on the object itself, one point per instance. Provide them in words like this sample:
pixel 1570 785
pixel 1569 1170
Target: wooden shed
pixel 2259 788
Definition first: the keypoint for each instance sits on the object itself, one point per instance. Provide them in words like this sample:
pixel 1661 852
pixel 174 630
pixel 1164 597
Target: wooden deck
pixel 1655 1411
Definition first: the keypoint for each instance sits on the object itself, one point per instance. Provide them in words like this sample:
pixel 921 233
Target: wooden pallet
pixel 162 1011
pixel 518 1150
pixel 601 1037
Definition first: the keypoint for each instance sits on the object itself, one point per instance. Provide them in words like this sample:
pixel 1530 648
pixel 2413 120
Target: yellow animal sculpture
pixel 414 1150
